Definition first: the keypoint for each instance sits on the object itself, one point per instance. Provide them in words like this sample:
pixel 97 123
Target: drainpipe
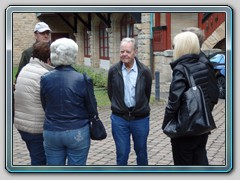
pixel 151 25
pixel 155 75
pixel 151 45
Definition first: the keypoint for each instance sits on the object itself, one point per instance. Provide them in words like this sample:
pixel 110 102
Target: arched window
pixel 127 26
pixel 103 41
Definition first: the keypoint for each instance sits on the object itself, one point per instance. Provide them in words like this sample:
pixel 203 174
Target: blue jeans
pixel 34 143
pixel 71 145
pixel 122 130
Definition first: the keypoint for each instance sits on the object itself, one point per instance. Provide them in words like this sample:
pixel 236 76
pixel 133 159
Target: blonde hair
pixel 63 52
pixel 185 43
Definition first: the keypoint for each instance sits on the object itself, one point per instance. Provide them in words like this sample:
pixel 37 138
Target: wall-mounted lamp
pixel 89 33
pixel 109 30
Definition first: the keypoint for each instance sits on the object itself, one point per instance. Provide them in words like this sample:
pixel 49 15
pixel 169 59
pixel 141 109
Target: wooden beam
pixel 105 20
pixel 74 28
pixel 86 24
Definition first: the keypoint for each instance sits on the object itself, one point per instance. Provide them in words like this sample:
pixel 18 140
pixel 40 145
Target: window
pixel 162 32
pixel 55 36
pixel 103 44
pixel 127 26
pixel 86 43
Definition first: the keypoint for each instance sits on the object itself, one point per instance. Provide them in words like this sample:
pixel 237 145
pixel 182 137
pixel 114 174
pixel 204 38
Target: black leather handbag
pixel 97 129
pixel 194 115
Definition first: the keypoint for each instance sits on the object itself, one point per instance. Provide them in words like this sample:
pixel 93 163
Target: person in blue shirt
pixel 129 90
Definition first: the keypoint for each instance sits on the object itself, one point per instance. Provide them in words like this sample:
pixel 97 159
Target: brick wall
pixel 23 36
pixel 23 27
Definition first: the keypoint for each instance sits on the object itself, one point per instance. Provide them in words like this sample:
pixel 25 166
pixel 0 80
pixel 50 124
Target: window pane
pixel 103 41
pixel 127 23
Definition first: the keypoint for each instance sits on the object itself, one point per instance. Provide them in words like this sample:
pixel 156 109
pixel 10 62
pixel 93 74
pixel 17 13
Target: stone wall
pixel 23 27
pixel 143 38
pixel 217 36
pixel 23 35
pixel 180 21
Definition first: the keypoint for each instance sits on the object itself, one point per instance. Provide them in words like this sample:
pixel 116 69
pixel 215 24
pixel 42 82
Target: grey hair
pixel 63 52
pixel 199 32
pixel 130 40
pixel 185 43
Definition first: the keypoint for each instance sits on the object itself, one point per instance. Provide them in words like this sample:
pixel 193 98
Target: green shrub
pixel 14 70
pixel 99 79
pixel 99 76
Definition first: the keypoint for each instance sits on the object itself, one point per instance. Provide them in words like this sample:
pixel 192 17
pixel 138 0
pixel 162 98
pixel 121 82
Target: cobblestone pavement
pixel 159 148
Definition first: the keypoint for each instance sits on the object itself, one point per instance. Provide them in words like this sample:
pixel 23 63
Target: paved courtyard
pixel 159 148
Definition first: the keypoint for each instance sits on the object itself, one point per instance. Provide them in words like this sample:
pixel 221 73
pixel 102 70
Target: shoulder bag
pixel 194 115
pixel 97 129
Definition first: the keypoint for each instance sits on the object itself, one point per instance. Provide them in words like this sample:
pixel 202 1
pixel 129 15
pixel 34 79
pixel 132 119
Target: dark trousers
pixel 122 130
pixel 35 147
pixel 190 150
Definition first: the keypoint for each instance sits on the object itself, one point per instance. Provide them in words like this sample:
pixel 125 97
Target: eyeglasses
pixel 43 33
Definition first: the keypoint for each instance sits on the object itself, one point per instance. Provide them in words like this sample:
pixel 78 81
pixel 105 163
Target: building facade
pixel 98 35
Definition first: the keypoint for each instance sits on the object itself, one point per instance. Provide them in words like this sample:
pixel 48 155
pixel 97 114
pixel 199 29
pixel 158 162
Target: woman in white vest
pixel 29 114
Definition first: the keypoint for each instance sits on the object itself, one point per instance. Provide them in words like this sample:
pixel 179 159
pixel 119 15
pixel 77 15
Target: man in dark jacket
pixel 129 90
pixel 42 33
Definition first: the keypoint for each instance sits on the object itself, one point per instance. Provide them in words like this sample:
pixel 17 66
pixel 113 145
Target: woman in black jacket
pixel 187 150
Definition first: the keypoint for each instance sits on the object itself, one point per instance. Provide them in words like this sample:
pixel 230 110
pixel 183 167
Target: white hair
pixel 63 52
pixel 130 40
pixel 199 32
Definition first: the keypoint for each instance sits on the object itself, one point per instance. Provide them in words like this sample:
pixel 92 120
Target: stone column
pixel 143 39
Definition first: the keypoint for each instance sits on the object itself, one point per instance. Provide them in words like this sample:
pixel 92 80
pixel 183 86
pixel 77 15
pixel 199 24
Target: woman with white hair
pixel 64 100
pixel 186 48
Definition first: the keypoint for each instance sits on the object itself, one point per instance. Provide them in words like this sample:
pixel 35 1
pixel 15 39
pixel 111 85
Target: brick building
pixel 99 34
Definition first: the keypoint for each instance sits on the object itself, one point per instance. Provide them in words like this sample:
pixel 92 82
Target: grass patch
pixel 102 97
pixel 100 92
pixel 100 89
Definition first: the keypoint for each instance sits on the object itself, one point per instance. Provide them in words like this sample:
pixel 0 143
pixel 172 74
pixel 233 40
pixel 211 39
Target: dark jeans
pixel 122 131
pixel 35 147
pixel 190 150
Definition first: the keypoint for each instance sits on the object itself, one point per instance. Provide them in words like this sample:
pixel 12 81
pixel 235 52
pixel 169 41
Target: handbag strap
pixel 92 100
pixel 189 76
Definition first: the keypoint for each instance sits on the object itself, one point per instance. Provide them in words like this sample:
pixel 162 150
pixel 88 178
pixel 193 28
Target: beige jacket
pixel 29 114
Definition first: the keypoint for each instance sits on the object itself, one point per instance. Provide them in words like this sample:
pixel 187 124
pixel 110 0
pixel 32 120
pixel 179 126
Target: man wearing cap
pixel 42 33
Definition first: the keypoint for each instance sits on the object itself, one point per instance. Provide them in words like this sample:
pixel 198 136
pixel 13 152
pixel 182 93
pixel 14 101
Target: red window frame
pixel 86 43
pixel 103 42
pixel 162 34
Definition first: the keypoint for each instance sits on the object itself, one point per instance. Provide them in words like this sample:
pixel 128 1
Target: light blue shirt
pixel 130 80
